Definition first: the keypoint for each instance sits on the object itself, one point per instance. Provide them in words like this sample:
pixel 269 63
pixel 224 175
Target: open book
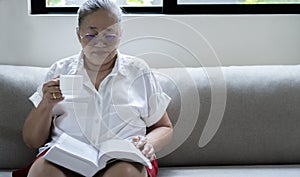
pixel 87 160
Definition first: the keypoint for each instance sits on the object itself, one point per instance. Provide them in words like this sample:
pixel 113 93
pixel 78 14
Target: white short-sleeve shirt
pixel 128 100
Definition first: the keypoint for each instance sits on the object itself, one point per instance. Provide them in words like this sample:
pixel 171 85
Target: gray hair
pixel 91 6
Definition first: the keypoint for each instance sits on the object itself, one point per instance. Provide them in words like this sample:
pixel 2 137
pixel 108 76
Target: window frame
pixel 171 7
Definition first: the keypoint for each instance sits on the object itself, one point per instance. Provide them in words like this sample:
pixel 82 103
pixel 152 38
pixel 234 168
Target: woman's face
pixel 99 36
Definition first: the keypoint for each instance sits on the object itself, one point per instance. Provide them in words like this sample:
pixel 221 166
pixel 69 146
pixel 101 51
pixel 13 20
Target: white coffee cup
pixel 71 84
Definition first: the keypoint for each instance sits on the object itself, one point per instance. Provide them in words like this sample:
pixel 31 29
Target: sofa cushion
pixel 221 171
pixel 260 123
pixel 232 171
pixel 17 84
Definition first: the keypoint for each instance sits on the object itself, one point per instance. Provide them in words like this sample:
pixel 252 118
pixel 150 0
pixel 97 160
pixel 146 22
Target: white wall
pixel 163 40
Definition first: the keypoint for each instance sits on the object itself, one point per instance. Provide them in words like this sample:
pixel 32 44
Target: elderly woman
pixel 121 90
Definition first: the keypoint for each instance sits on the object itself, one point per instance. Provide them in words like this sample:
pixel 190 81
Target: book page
pixel 78 148
pixel 123 150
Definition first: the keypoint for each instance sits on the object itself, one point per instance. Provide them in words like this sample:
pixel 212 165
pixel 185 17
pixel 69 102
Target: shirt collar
pixel 119 67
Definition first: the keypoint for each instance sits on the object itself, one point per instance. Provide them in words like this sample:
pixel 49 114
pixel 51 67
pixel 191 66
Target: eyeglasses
pixel 106 39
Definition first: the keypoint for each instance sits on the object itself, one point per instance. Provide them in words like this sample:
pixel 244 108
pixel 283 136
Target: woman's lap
pixel 41 166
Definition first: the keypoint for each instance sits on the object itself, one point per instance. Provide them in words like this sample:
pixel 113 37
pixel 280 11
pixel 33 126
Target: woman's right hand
pixel 37 126
pixel 51 92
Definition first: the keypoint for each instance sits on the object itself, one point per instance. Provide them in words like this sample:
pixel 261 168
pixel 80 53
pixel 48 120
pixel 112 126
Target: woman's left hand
pixel 146 148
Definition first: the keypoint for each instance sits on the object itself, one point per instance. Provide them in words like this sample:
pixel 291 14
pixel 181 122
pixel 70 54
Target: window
pixel 71 6
pixel 178 6
pixel 76 3
pixel 237 1
pixel 231 6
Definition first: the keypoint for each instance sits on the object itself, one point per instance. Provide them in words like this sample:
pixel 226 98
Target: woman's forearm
pixel 160 137
pixel 160 134
pixel 37 126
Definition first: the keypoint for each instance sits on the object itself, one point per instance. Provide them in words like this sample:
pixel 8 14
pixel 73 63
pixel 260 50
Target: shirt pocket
pixel 122 121
pixel 121 115
pixel 124 111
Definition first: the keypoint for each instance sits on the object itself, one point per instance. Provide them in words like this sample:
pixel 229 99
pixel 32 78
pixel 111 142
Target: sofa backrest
pixel 256 106
pixel 260 122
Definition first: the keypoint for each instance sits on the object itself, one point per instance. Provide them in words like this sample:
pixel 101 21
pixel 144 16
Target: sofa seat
pixel 232 171
pixel 221 171
pixel 5 173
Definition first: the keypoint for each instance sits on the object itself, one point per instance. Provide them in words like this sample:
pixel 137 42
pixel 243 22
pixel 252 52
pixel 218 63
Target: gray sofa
pixel 239 121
